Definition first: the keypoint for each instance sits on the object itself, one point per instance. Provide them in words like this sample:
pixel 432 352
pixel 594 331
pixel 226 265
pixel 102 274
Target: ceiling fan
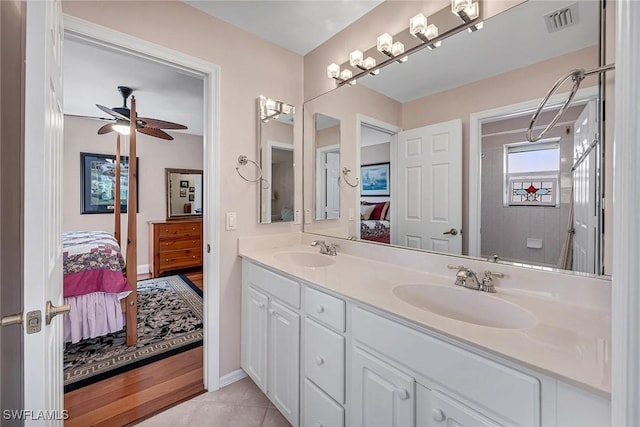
pixel 146 125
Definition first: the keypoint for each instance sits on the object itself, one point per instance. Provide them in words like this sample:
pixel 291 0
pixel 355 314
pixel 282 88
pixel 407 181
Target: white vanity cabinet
pixel 271 336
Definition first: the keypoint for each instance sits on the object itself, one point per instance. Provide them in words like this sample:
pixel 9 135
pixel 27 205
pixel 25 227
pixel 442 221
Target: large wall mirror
pixel 438 146
pixel 277 193
pixel 184 193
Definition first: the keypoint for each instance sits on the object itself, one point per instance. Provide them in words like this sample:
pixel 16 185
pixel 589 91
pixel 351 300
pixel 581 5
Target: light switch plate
pixel 296 217
pixel 307 216
pixel 231 221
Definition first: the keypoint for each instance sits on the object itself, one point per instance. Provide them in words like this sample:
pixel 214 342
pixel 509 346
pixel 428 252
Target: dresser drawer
pixel 179 259
pixel 324 354
pixel 178 229
pixel 180 243
pixel 325 308
pixel 319 409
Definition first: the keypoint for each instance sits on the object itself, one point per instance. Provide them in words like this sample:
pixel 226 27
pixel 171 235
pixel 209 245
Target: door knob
pixel 53 311
pixel 13 319
pixel 453 232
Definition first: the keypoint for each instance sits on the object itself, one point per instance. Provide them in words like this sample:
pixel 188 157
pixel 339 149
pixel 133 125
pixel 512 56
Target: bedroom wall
pixel 378 153
pixel 178 26
pixel 154 155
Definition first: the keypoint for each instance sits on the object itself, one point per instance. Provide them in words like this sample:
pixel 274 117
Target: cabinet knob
pixel 260 305
pixel 403 394
pixel 320 309
pixel 272 312
pixel 438 415
pixel 319 361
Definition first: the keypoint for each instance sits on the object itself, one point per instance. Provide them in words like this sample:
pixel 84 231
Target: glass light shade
pixel 369 63
pixel 418 24
pixel 346 74
pixel 431 32
pixel 355 58
pixel 384 42
pixel 333 70
pixel 397 48
pixel 122 129
pixel 472 11
pixel 459 5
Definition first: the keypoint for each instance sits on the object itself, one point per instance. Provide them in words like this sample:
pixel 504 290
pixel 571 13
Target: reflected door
pixel 333 185
pixel 585 216
pixel 429 196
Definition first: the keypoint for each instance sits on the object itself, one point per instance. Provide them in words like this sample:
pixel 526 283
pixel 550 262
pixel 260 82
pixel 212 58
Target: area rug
pixel 169 322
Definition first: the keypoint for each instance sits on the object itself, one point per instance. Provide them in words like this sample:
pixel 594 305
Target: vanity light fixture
pixel 356 60
pixel 333 71
pixel 418 28
pixel 386 45
pixel 272 109
pixel 467 10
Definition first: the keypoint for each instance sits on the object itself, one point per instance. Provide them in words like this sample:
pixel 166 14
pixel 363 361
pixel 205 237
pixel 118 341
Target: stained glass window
pixel 528 191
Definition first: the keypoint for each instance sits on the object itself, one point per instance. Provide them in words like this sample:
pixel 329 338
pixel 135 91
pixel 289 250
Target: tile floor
pixel 241 404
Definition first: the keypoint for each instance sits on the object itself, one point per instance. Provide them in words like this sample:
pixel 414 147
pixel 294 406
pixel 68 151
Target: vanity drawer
pixel 325 308
pixel 324 354
pixel 483 382
pixel 320 409
pixel 278 286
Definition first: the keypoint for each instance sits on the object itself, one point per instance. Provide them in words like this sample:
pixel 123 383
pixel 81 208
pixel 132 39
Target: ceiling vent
pixel 562 18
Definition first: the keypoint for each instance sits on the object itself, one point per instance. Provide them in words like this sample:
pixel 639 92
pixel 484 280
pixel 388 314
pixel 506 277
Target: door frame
pixel 321 182
pixel 210 73
pixel 476 120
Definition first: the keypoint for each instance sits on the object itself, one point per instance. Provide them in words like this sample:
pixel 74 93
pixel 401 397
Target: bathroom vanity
pixel 334 341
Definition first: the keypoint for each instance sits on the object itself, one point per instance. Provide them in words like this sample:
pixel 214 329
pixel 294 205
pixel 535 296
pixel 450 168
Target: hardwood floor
pixel 139 393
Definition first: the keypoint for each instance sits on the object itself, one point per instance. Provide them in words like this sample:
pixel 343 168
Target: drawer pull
pixel 320 309
pixel 319 361
pixel 438 415
pixel 403 394
pixel 166 260
pixel 194 257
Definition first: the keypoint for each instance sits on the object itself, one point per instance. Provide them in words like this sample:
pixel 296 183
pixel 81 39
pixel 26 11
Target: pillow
pixel 385 211
pixel 386 216
pixel 377 211
pixel 366 211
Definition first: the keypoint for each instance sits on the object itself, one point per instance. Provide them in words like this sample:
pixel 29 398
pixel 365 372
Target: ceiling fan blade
pixel 160 124
pixel 112 112
pixel 105 129
pixel 110 119
pixel 155 132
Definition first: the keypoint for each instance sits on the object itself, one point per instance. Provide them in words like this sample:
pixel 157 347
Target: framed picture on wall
pixel 192 197
pixel 192 189
pixel 97 183
pixel 183 192
pixel 374 179
pixel 184 184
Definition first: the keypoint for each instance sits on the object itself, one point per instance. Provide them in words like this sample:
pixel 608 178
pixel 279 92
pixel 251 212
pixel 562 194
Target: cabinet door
pixel 284 360
pixel 380 394
pixel 435 409
pixel 254 336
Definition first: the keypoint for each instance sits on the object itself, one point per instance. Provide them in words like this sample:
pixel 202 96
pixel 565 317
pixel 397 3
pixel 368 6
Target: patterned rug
pixel 169 322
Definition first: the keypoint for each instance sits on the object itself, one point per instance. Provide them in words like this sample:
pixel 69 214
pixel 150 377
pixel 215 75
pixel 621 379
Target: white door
pixel 333 185
pixel 380 394
pixel 43 385
pixel 254 336
pixel 428 202
pixel 284 360
pixel 585 217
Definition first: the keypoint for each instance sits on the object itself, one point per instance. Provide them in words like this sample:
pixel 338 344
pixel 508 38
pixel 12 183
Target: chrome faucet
pixel 325 249
pixel 466 278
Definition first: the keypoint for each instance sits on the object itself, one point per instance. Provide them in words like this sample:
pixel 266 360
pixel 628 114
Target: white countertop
pixel 569 342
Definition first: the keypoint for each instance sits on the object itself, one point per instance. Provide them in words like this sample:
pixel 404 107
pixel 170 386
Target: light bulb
pixel 333 70
pixel 368 63
pixel 418 24
pixel 472 11
pixel 346 74
pixel 431 31
pixel 355 58
pixel 122 129
pixel 398 49
pixel 384 42
pixel 459 5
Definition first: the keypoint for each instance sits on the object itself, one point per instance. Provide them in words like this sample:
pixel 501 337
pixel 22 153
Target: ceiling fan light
pixel 384 42
pixel 356 58
pixel 122 127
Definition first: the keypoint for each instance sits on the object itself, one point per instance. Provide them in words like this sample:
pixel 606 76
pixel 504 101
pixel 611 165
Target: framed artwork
pixel 97 183
pixel 183 192
pixel 184 184
pixel 374 179
pixel 192 197
pixel 192 189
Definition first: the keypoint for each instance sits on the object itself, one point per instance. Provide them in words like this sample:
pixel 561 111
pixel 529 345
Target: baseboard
pixel 143 269
pixel 232 377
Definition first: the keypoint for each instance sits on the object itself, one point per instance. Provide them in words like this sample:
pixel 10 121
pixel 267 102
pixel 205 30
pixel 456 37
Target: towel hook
pixel 243 160
pixel 345 172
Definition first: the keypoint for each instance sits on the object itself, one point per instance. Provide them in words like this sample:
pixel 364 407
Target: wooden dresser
pixel 174 245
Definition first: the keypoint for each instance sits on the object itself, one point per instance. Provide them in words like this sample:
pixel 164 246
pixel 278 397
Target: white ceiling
pixel 92 73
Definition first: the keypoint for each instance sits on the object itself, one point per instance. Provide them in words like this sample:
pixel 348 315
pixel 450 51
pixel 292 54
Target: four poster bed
pixel 100 290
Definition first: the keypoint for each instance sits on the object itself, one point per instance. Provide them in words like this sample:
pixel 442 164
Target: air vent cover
pixel 562 18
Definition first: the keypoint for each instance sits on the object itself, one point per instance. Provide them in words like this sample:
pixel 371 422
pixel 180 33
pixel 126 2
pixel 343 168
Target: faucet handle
pixel 487 282
pixel 331 250
pixel 317 242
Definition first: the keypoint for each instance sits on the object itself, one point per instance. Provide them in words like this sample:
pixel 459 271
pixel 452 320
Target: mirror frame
pixel 167 175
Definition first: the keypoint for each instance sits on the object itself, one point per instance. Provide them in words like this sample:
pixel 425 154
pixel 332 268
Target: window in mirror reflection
pixel 327 139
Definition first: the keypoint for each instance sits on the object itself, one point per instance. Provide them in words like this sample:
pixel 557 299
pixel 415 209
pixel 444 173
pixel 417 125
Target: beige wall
pixel 378 153
pixel 178 26
pixel 12 24
pixel 154 155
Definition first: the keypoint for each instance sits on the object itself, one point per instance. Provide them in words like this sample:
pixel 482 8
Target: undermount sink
pixel 306 259
pixel 466 305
